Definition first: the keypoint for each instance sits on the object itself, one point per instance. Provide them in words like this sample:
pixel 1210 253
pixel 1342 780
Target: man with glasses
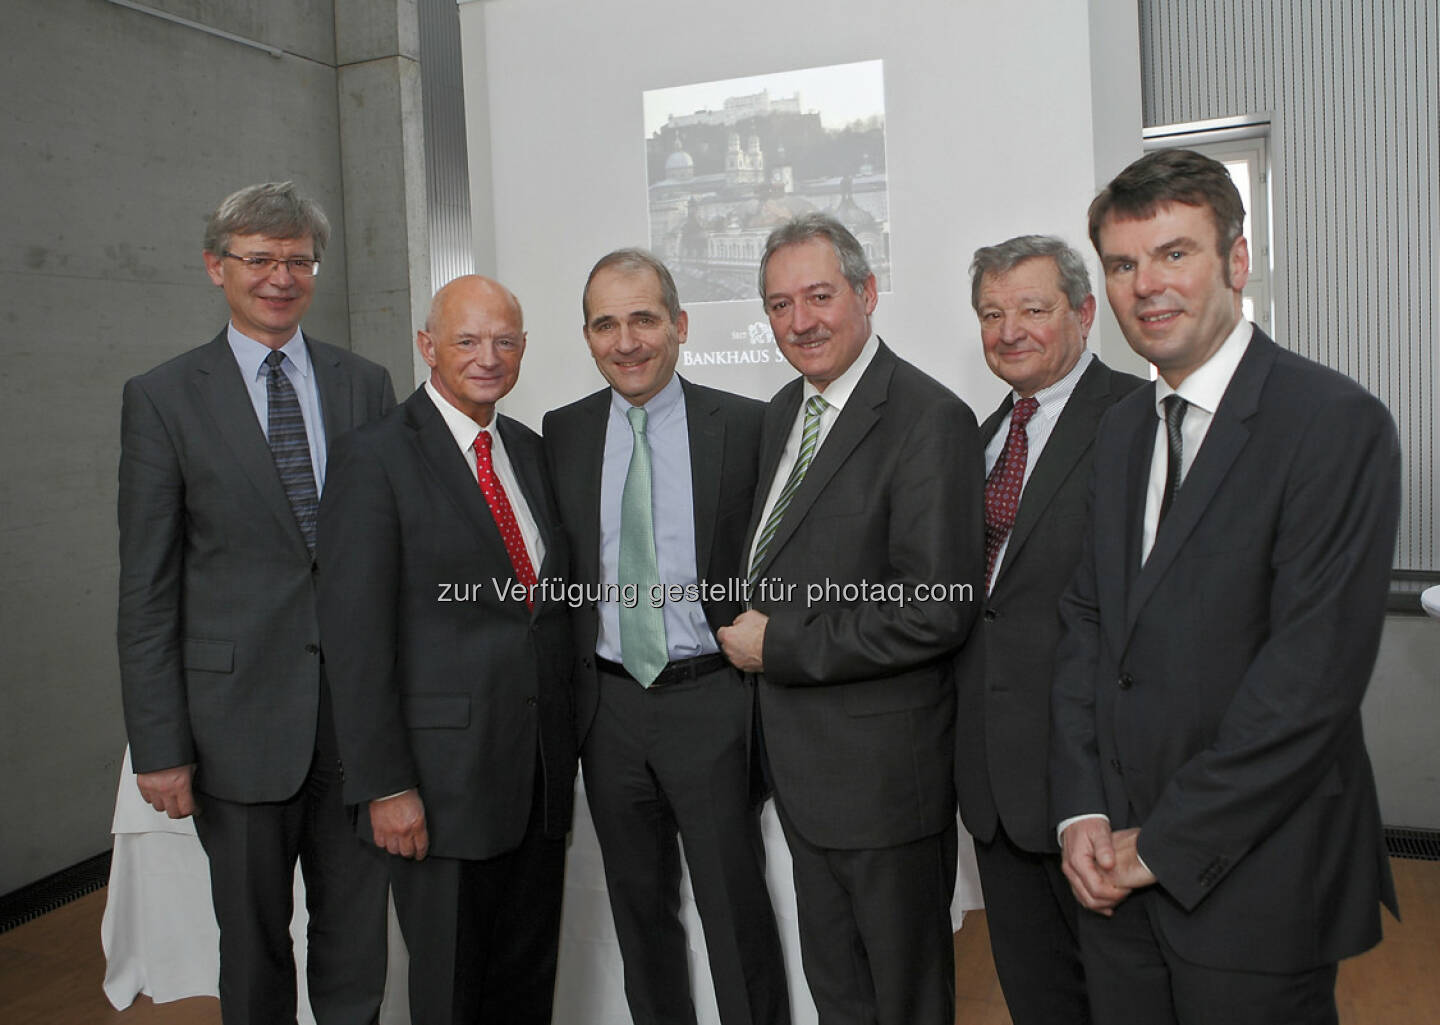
pixel 227 706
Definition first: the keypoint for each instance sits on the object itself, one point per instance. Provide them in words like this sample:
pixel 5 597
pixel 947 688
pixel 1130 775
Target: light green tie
pixel 643 650
pixel 809 441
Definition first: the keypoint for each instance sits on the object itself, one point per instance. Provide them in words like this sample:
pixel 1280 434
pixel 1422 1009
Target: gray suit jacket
pixel 724 442
pixel 1212 696
pixel 1002 723
pixel 218 639
pixel 857 699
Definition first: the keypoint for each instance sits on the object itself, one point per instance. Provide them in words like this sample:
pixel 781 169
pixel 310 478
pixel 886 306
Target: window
pixel 1242 144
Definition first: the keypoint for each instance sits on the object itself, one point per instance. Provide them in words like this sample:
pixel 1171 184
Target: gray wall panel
pixel 1352 90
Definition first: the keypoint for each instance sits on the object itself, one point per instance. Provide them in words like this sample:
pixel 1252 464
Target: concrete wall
pixel 122 131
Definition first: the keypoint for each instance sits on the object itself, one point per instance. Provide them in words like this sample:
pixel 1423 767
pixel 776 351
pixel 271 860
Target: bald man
pixel 449 667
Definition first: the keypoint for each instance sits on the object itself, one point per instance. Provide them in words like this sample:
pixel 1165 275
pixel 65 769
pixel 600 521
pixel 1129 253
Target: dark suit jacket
pixel 218 639
pixel 1212 697
pixel 1002 722
pixel 857 699
pixel 438 681
pixel 724 442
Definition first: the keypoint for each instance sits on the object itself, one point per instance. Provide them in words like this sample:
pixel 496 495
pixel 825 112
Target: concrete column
pixel 382 158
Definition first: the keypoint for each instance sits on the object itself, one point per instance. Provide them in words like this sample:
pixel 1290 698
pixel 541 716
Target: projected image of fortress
pixel 728 161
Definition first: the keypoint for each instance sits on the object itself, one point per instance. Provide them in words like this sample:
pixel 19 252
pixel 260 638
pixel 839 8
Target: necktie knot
pixel 482 444
pixel 815 406
pixel 1023 411
pixel 637 417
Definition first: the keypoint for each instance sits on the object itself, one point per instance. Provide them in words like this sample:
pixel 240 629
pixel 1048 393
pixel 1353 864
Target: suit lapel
pixel 707 445
pixel 1071 437
pixel 993 421
pixel 446 463
pixel 225 398
pixel 525 460
pixel 1224 441
pixel 333 383
pixel 779 418
pixel 855 421
pixel 588 457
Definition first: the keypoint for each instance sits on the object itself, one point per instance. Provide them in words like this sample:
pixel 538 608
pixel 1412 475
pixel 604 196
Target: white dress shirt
pixel 1203 390
pixel 465 431
pixel 836 394
pixel 1052 402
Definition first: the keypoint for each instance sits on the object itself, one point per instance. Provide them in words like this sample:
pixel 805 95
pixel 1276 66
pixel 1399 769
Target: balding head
pixel 473 340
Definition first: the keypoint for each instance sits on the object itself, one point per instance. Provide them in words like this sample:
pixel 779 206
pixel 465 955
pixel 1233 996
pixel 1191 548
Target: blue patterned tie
pixel 291 449
pixel 809 441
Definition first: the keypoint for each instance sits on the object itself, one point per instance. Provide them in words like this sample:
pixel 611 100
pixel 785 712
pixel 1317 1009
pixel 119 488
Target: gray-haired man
pixel 227 707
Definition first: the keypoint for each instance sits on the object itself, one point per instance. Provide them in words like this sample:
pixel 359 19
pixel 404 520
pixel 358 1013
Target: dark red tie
pixel 494 493
pixel 1002 489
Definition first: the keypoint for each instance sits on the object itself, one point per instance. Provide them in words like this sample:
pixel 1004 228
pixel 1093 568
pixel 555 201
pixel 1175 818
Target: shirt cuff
pixel 1066 823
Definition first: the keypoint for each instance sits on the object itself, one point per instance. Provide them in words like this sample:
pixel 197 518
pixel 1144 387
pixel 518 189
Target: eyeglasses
pixel 300 266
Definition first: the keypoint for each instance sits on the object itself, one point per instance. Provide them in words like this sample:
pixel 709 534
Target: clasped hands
pixel 1103 867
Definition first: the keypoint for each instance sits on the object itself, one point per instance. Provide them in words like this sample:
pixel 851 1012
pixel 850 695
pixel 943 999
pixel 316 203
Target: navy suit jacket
pixel 1211 697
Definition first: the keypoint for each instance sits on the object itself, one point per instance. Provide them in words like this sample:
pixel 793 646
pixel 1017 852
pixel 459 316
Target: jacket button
pixel 313 649
pixel 1126 681
pixel 530 702
pixel 1115 764
pixel 991 615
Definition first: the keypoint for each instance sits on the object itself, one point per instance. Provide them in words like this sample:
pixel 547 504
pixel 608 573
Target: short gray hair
pixel 634 260
pixel 274 209
pixel 820 225
pixel 1005 257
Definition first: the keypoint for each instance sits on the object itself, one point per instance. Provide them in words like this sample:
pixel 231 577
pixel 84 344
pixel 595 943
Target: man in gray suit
pixel 665 728
pixel 865 555
pixel 1032 295
pixel 227 706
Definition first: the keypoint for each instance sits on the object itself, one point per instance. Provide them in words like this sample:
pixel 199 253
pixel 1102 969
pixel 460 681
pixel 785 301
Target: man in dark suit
pixel 664 721
pixel 1219 635
pixel 865 558
pixel 227 704
pixel 1032 295
pixel 449 651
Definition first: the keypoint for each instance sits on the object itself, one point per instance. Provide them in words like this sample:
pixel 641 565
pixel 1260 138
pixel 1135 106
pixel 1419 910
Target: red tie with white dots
pixel 1002 489
pixel 494 493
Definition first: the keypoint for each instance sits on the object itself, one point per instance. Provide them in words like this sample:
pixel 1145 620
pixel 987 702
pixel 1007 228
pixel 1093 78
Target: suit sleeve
pixel 1298 703
pixel 359 551
pixel 934 535
pixel 1075 785
pixel 151 512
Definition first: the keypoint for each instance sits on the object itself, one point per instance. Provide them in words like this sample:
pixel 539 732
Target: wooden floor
pixel 51 969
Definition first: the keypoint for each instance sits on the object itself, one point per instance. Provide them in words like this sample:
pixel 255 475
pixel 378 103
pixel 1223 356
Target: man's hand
pixel 744 641
pixel 1088 858
pixel 399 825
pixel 1129 872
pixel 168 790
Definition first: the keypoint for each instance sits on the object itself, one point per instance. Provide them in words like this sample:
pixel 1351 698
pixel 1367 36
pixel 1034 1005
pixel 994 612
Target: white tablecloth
pixel 160 936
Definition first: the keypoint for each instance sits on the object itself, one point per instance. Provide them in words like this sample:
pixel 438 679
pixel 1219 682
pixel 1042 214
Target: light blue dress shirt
pixel 250 355
pixel 667 428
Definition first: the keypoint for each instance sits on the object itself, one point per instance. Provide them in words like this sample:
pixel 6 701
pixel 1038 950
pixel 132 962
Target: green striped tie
pixel 643 650
pixel 809 442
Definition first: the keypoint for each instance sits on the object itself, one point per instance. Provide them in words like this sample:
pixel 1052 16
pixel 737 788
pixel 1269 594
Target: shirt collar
pixel 462 428
pixel 1059 393
pixel 658 410
pixel 251 354
pixel 1206 385
pixel 838 391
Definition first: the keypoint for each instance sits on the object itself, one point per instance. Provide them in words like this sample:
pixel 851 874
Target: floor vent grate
pixel 1422 844
pixel 54 891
